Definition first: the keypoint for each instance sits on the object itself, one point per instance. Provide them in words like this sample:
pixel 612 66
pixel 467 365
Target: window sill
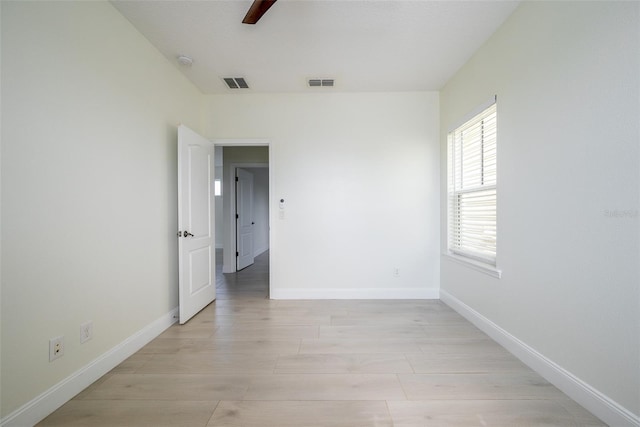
pixel 474 265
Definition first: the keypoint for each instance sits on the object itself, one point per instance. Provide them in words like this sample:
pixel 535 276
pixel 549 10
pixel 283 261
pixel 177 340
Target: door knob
pixel 187 234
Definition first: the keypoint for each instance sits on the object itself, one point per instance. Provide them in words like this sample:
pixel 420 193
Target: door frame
pixel 229 242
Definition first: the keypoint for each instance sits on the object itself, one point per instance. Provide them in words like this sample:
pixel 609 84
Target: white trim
pixel 353 293
pixel 593 400
pixel 260 250
pixel 228 258
pixel 271 165
pixel 40 407
pixel 474 265
pixel 471 114
pixel 243 142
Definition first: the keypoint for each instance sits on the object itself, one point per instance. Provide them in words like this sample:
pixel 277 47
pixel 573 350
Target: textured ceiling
pixel 393 45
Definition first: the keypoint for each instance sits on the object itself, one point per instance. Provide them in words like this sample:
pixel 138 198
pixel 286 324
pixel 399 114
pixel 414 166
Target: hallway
pixel 250 283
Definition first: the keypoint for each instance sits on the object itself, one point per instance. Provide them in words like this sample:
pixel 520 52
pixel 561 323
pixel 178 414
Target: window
pixel 472 187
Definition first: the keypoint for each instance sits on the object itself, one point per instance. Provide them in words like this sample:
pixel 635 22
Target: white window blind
pixel 472 187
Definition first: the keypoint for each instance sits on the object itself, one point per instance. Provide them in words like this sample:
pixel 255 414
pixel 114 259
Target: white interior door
pixel 196 223
pixel 244 219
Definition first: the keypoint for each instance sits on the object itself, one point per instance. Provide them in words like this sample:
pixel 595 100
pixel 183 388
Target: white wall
pixel 360 177
pixel 89 211
pixel 567 79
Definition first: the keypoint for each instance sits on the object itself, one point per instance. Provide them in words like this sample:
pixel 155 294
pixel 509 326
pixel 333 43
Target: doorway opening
pixel 243 209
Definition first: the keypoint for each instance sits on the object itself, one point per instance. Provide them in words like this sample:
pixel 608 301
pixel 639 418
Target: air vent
pixel 236 82
pixel 320 82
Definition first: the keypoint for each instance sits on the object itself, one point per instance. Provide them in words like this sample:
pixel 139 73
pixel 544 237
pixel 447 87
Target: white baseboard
pixel 370 293
pixel 37 409
pixel 260 251
pixel 593 400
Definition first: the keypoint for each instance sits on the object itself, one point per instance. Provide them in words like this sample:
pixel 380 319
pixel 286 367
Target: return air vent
pixel 236 82
pixel 321 82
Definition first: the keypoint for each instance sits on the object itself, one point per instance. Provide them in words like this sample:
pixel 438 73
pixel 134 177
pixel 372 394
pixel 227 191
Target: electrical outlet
pixel 396 272
pixel 86 331
pixel 56 348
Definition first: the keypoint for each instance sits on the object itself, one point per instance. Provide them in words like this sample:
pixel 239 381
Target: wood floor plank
pixel 196 331
pixel 446 363
pixel 209 363
pixel 343 364
pixel 502 385
pixel 128 413
pixel 462 347
pixel 372 332
pixel 337 345
pixel 218 345
pixel 495 413
pixel 364 319
pixel 325 387
pixel 132 364
pixel 166 345
pixel 192 387
pixel 295 414
pixel 267 332
pixel 453 331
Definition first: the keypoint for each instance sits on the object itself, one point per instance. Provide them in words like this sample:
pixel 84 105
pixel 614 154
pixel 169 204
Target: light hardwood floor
pixel 249 361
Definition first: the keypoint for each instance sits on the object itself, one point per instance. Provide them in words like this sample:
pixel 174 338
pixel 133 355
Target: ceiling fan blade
pixel 257 9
